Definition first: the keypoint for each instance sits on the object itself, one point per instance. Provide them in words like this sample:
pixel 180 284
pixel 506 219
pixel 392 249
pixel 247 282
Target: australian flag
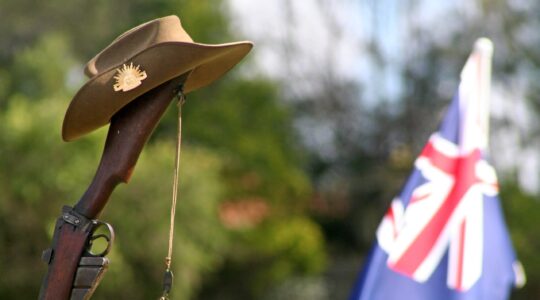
pixel 444 236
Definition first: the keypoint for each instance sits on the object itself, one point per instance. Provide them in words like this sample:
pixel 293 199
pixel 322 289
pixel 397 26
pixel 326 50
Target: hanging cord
pixel 168 275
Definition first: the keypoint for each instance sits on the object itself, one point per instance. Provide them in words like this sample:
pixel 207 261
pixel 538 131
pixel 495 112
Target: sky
pixel 270 23
pixel 344 52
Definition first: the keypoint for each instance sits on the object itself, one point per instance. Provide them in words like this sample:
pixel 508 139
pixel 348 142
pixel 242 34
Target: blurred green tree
pixel 239 145
pixel 521 211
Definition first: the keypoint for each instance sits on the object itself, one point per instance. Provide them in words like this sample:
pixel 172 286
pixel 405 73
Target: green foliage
pixel 140 212
pixel 521 210
pixel 41 69
pixel 30 196
pixel 263 258
pixel 292 241
pixel 239 143
pixel 244 120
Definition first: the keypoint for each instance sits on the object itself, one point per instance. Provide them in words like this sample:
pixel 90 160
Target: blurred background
pixel 289 161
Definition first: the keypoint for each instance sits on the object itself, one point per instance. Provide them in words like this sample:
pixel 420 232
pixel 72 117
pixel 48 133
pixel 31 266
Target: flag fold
pixel 444 235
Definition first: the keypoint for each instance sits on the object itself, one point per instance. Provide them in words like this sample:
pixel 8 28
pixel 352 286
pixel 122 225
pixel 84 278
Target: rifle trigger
pixel 108 238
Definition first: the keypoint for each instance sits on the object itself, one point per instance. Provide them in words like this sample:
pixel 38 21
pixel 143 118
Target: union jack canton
pixel 443 234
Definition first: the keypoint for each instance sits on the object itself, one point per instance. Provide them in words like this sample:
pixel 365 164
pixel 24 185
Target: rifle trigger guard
pixel 96 224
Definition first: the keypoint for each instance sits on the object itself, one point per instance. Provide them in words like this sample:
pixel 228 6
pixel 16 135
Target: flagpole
pixel 484 49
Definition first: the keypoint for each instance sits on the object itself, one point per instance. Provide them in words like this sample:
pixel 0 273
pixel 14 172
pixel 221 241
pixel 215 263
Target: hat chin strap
pixel 168 275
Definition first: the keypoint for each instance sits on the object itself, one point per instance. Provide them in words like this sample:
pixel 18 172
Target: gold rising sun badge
pixel 128 78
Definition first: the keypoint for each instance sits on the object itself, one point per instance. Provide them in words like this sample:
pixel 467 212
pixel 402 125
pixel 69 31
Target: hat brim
pixel 96 102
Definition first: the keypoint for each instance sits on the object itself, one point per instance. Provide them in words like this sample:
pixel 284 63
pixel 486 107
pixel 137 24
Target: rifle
pixel 74 271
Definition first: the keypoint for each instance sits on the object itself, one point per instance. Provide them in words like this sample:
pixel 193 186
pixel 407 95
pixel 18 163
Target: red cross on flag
pixel 444 236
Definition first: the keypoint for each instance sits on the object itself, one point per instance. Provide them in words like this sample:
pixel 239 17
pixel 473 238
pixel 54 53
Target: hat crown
pixel 135 40
pixel 142 59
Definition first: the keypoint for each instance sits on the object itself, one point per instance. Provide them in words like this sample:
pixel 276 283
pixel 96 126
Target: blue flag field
pixel 444 236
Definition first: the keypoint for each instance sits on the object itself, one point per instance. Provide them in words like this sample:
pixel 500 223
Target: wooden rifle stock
pixel 72 271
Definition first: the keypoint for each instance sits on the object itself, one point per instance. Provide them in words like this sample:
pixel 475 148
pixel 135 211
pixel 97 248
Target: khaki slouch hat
pixel 140 60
